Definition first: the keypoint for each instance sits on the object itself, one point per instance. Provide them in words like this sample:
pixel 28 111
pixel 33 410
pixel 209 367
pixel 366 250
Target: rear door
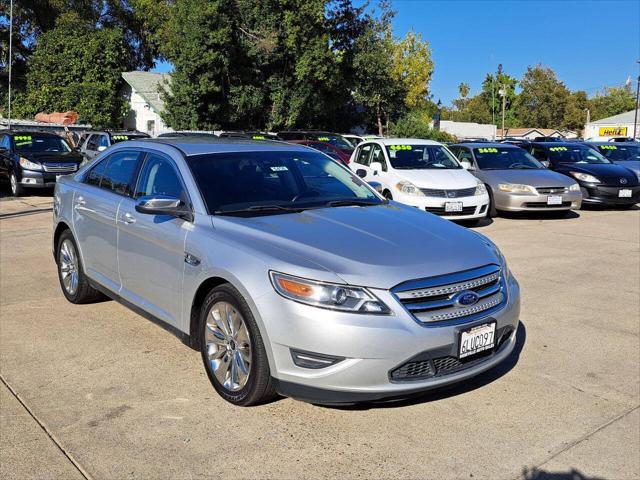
pixel 95 208
pixel 151 254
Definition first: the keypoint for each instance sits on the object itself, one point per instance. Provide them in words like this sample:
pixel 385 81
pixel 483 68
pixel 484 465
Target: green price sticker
pixel 23 138
pixel 400 147
pixel 608 147
pixel 120 137
pixel 558 149
pixel 488 150
pixel 323 139
pixel 258 137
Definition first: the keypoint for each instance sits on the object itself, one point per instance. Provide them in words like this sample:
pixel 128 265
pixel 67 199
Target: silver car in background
pixel 516 181
pixel 288 272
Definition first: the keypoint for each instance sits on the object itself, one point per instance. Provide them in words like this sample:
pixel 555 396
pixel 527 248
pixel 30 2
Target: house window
pixel 151 126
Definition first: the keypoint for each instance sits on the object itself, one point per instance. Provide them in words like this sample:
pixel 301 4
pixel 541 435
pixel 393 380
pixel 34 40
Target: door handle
pixel 128 219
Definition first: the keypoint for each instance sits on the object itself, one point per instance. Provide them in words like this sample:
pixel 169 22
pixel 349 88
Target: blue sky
pixel 589 43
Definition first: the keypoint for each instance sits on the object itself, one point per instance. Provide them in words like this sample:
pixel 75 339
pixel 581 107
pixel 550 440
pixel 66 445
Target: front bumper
pixel 472 207
pixel 608 195
pixel 511 202
pixel 36 179
pixel 373 346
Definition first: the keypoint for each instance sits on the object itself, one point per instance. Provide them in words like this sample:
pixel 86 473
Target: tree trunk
pixel 379 115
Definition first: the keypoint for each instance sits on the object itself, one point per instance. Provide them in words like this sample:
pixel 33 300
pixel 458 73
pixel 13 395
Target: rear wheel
pixel 232 349
pixel 74 283
pixel 17 190
pixel 492 212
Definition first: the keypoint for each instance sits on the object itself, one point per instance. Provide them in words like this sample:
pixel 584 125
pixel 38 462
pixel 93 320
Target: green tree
pixel 575 111
pixel 75 67
pixel 612 101
pixel 412 67
pixel 415 124
pixel 543 100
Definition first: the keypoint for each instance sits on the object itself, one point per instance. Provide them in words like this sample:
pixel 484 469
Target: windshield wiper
pixel 346 203
pixel 260 209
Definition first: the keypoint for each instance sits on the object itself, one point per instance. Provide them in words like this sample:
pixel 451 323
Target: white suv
pixel 423 174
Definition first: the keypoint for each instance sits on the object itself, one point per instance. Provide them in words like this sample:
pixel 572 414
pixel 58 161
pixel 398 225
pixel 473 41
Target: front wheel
pixel 232 349
pixel 492 211
pixel 73 281
pixel 17 190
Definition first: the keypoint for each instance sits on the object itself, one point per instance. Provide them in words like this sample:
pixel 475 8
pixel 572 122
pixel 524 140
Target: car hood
pixel 633 165
pixel 63 157
pixel 608 174
pixel 378 247
pixel 446 179
pixel 535 178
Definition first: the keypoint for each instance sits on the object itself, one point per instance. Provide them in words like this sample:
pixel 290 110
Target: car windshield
pixel 263 183
pixel 123 137
pixel 620 153
pixel 575 154
pixel 505 158
pixel 335 140
pixel 40 143
pixel 421 157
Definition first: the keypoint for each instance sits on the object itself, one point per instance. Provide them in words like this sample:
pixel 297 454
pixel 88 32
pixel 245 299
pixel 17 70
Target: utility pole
pixel 588 112
pixel 635 116
pixel 10 55
pixel 503 92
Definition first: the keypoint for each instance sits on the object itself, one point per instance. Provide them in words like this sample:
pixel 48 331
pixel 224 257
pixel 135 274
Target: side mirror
pixel 376 186
pixel 376 167
pixel 164 205
pixel 466 164
pixel 102 148
pixel 546 163
pixel 361 173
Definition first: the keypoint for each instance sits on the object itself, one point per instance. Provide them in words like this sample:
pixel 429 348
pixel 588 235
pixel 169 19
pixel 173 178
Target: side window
pixel 92 143
pixel 465 154
pixel 95 175
pixel 103 141
pixel 159 177
pixel 363 155
pixel 455 151
pixel 118 176
pixel 5 142
pixel 378 156
pixel 540 154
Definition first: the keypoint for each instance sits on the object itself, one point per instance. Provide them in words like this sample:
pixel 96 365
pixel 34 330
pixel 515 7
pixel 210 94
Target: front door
pixel 151 247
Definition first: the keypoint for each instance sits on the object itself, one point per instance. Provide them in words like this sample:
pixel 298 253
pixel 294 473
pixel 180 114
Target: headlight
pixel 574 187
pixel 585 177
pixel 327 295
pixel 481 189
pixel 503 261
pixel 29 165
pixel 409 188
pixel 516 188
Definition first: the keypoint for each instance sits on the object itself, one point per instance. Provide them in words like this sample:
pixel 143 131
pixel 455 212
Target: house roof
pixel 521 132
pixel 147 85
pixel 626 117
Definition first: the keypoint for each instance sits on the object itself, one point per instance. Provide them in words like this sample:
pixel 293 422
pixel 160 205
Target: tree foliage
pixel 416 124
pixel 412 67
pixel 612 101
pixel 543 99
pixel 77 68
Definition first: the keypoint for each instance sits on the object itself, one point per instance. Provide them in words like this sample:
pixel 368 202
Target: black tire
pixel 260 386
pixel 387 194
pixel 84 293
pixel 492 212
pixel 16 189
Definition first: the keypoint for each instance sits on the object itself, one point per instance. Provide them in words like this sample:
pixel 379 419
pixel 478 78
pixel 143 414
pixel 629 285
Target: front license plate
pixel 554 200
pixel 624 193
pixel 453 206
pixel 477 339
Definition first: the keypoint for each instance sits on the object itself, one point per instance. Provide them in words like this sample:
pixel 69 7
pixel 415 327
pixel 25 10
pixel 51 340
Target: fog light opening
pixel 313 360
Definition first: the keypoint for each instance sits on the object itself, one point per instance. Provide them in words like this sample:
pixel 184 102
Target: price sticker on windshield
pixel 558 149
pixel 608 147
pixel 120 137
pixel 400 147
pixel 487 150
pixel 22 140
pixel 323 139
pixel 258 137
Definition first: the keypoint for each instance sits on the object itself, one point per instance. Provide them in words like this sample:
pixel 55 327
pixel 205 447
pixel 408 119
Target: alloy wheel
pixel 68 259
pixel 228 346
pixel 14 185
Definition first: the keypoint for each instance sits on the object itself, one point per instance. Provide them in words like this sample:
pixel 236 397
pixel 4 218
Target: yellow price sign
pixel 558 149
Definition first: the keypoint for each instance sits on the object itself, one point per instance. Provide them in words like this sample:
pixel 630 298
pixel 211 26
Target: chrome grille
pixel 432 299
pixel 462 192
pixel 60 167
pixel 548 190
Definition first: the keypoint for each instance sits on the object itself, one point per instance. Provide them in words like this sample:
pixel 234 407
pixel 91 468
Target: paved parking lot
pixel 99 392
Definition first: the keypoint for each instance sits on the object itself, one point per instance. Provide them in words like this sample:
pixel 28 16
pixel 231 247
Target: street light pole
pixel 10 55
pixel 503 92
pixel 635 116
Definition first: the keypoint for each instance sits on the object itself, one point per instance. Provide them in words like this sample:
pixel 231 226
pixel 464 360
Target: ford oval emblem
pixel 466 298
pixel 623 180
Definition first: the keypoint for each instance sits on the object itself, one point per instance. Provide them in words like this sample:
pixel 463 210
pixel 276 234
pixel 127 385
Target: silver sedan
pixel 516 181
pixel 284 269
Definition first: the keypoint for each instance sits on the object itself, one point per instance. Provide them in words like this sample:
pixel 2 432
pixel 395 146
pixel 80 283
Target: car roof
pixel 204 145
pixel 558 144
pixel 396 141
pixel 485 144
pixel 624 144
pixel 29 132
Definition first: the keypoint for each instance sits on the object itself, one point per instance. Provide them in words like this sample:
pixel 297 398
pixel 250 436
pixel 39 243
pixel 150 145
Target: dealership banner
pixel 613 131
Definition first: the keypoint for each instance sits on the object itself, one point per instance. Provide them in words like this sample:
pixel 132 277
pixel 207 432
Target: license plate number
pixel 554 200
pixel 477 339
pixel 453 206
pixel 624 193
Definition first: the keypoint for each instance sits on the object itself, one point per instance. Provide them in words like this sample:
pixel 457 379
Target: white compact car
pixel 423 174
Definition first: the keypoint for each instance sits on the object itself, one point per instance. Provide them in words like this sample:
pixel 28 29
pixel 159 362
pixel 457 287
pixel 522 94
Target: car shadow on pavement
pixel 537 474
pixel 445 392
pixel 570 215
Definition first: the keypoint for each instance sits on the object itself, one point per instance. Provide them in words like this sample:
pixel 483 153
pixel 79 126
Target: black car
pixel 35 159
pixel 601 181
pixel 318 136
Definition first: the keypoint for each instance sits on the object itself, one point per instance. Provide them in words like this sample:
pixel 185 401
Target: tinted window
pixel 159 177
pixel 93 142
pixel 504 158
pixel 363 155
pixel 5 142
pixel 574 154
pixel 238 181
pixel 103 141
pixel 40 143
pixel 620 153
pixel 119 173
pixel 421 157
pixel 95 175
pixel 378 156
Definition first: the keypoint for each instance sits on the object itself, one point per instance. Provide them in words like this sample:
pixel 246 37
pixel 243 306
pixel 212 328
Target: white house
pixel 620 125
pixel 142 91
pixel 469 129
pixel 531 133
